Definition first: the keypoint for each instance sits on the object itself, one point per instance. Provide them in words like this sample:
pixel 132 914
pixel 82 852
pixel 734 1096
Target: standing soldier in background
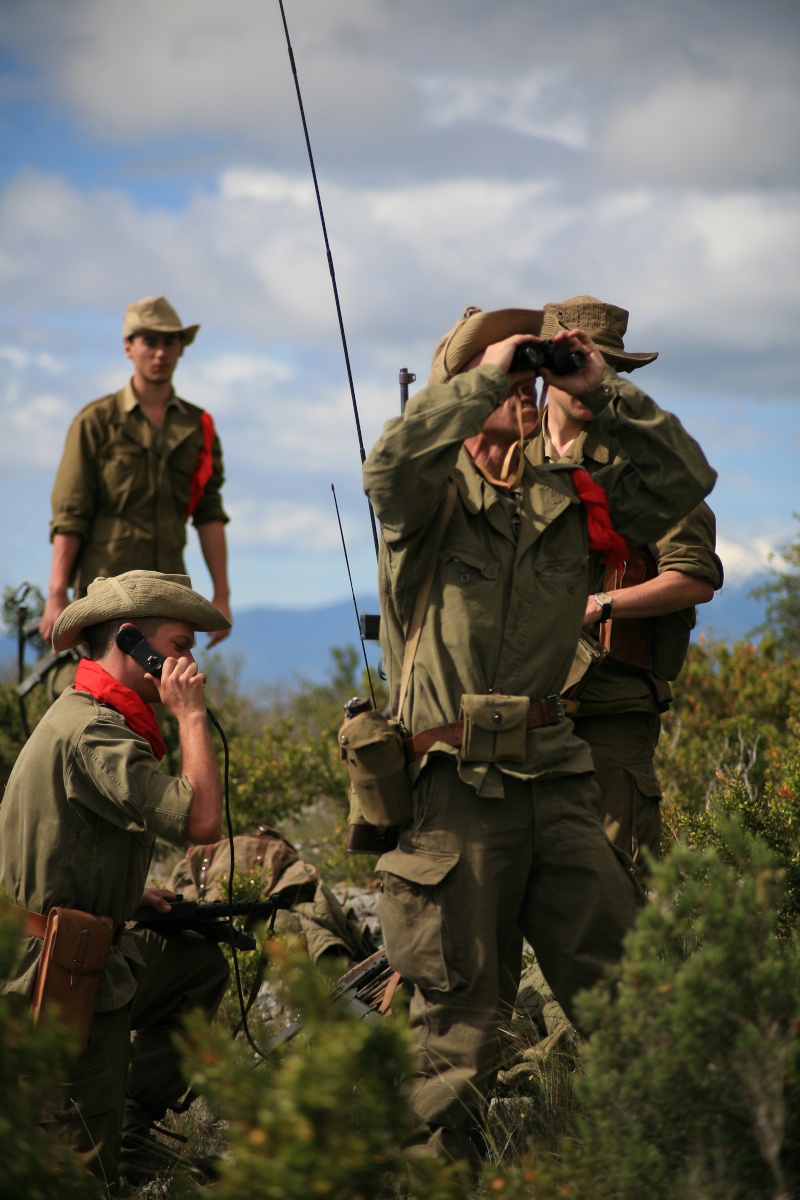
pixel 136 466
pixel 643 614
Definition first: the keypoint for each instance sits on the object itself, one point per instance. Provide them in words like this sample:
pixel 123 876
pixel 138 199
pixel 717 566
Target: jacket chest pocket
pixel 467 569
pixel 181 465
pixel 123 469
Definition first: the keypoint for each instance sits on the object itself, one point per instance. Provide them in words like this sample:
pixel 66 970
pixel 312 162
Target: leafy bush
pixel 35 1165
pixel 732 713
pixel 691 1083
pixel 327 1118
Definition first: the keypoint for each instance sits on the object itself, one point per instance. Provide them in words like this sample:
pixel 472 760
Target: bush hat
pixel 137 594
pixel 157 314
pixel 605 324
pixel 476 330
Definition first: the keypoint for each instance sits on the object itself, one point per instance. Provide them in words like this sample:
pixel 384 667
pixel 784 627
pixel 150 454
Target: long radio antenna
pixel 353 594
pixel 330 261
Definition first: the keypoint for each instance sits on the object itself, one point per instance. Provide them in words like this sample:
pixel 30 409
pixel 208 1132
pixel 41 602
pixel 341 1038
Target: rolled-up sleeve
pixel 116 776
pixel 689 547
pixel 74 496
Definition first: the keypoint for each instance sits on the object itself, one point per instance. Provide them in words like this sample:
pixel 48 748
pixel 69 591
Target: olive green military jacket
pixel 506 606
pixel 124 487
pixel 689 546
pixel 83 806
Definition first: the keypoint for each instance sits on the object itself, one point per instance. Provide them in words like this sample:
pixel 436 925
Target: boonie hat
pixel 605 324
pixel 155 313
pixel 474 332
pixel 137 594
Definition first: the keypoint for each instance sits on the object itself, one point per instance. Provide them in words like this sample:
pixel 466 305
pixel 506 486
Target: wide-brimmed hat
pixel 155 313
pixel 605 324
pixel 475 331
pixel 137 594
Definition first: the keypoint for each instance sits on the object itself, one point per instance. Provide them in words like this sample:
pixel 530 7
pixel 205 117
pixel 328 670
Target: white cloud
pixel 743 562
pixel 19 359
pixel 526 104
pixel 279 525
pixel 720 131
pixel 248 262
pixel 33 432
pixel 664 178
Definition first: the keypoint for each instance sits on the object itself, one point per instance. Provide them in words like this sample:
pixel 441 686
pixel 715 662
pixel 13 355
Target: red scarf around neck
pixel 602 534
pixel 92 678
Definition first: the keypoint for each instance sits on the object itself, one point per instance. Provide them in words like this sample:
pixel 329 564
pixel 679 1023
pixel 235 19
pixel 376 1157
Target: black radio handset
pixel 132 641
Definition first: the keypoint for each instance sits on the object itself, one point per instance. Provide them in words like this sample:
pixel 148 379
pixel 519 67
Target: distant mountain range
pixel 275 645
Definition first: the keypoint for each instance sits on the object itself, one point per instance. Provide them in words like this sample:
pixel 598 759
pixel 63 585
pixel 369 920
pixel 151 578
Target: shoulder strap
pixel 415 628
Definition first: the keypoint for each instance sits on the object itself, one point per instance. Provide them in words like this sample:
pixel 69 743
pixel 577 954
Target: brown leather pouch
pixel 74 955
pixel 630 641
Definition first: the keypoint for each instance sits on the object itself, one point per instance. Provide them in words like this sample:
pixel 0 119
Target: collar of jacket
pixel 589 444
pixel 546 492
pixel 181 424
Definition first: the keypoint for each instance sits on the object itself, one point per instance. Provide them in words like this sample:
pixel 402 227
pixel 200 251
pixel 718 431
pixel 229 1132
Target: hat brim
pixel 624 360
pixel 131 596
pixel 187 332
pixel 477 331
pixel 619 359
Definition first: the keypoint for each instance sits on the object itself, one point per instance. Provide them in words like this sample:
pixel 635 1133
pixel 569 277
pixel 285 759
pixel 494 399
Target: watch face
pixel 603 598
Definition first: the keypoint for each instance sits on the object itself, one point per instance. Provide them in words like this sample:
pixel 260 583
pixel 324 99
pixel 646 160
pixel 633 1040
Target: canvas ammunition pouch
pixel 372 744
pixel 372 747
pixel 494 727
pixel 74 955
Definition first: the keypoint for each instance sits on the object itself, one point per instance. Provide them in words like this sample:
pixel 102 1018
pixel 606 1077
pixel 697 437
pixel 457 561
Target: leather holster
pixel 74 955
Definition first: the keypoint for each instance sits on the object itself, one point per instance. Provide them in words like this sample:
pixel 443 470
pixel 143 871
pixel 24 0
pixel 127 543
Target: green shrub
pixel 691 1083
pixel 325 1118
pixel 35 1165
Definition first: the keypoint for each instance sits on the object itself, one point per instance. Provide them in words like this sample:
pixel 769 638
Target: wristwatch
pixel 605 601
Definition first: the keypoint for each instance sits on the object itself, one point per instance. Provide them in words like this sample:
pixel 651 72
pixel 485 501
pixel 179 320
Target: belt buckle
pixel 556 704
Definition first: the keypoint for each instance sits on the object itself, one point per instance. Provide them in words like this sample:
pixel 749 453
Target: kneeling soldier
pixel 83 807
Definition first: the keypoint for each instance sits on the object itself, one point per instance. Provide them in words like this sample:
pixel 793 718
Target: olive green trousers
pixel 468 876
pixel 623 747
pixel 182 972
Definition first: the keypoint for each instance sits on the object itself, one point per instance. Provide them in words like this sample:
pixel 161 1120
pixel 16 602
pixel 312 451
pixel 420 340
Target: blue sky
pixel 467 153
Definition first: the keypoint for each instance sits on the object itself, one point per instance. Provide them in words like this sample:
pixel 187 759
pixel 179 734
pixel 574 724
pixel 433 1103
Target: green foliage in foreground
pixel 34 1165
pixel 782 594
pixel 689 1084
pixel 692 1077
pixel 771 813
pixel 327 1118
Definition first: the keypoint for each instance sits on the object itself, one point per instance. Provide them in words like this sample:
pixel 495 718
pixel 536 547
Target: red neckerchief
pixel 204 466
pixel 92 678
pixel 602 534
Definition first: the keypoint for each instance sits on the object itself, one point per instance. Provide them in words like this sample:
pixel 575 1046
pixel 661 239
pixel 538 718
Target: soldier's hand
pixel 53 608
pixel 157 898
pixel 181 686
pixel 223 604
pixel 590 374
pixel 500 355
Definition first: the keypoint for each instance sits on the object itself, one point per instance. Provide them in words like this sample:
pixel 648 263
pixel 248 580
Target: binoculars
pixel 555 356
